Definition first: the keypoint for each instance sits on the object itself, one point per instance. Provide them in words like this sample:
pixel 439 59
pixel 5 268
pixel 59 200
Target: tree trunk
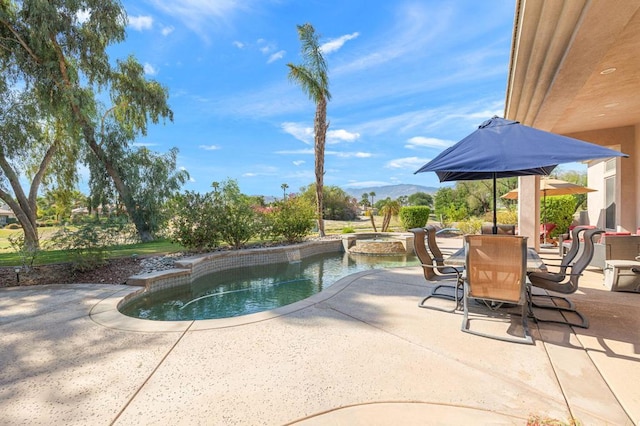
pixel 320 130
pixel 25 208
pixel 373 222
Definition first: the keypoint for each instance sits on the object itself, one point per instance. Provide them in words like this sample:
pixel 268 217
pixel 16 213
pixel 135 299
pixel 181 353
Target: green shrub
pixel 292 219
pixel 27 254
pixel 506 217
pixel 13 226
pixel 88 245
pixel 414 216
pixel 348 230
pixel 558 210
pixel 236 220
pixel 194 224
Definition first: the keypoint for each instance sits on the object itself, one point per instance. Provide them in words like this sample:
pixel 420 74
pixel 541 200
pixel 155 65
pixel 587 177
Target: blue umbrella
pixel 505 148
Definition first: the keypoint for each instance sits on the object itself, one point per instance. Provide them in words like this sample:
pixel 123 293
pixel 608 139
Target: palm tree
pixel 312 77
pixel 390 208
pixel 365 200
pixel 284 187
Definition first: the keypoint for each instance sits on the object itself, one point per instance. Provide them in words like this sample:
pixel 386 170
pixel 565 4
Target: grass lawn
pixel 8 257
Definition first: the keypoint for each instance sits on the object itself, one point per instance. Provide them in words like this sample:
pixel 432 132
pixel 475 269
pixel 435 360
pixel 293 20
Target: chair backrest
pixel 421 251
pixel 496 267
pixel 502 229
pixel 433 245
pixel 575 247
pixel 561 282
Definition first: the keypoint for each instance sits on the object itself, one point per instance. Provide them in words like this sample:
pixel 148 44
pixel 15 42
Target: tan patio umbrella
pixel 552 187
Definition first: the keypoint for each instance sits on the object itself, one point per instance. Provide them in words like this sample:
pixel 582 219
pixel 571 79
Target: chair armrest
pixel 457 271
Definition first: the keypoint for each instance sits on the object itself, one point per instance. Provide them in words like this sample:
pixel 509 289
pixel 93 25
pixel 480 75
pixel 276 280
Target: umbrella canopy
pixel 551 187
pixel 505 148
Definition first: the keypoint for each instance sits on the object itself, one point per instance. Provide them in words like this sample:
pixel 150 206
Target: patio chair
pixel 545 230
pixel 502 229
pixel 434 272
pixel 432 243
pixel 566 282
pixel 496 273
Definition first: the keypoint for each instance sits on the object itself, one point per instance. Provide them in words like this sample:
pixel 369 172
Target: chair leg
pixel 570 309
pixel 434 293
pixel 526 339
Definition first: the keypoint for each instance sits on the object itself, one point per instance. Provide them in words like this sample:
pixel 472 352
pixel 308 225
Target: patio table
pixel 534 262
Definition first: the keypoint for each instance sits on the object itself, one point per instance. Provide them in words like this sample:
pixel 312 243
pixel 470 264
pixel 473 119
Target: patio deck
pixel 360 353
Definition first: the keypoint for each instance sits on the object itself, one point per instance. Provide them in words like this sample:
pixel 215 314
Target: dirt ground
pixel 114 272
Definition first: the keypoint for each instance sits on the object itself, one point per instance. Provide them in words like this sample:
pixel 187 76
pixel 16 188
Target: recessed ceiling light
pixel 612 104
pixel 608 71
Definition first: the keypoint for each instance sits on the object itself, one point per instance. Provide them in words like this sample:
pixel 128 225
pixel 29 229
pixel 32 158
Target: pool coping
pixel 106 312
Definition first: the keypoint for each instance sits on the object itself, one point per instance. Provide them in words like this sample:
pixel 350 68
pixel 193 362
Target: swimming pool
pixel 251 289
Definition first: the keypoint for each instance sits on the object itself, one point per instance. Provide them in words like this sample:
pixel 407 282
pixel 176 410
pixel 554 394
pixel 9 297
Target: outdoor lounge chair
pixel 434 272
pixel 496 273
pixel 566 282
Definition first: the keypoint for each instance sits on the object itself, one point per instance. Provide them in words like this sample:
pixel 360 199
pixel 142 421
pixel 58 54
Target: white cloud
pixel 298 131
pixel 276 56
pixel 238 44
pixel 167 30
pixel 421 141
pixel 150 69
pixel 306 135
pixel 349 154
pixel 341 135
pixel 209 147
pixel 140 23
pixel 298 162
pixel 144 144
pixel 261 170
pixel 411 163
pixel 415 27
pixel 366 184
pixel 201 16
pixel 337 43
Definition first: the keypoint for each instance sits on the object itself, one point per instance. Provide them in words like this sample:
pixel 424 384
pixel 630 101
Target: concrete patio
pixel 361 352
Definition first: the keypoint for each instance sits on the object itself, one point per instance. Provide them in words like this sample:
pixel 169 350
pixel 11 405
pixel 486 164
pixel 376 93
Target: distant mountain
pixel 391 191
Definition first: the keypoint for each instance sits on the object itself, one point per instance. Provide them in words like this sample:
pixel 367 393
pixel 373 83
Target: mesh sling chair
pixel 496 273
pixel 567 260
pixel 434 272
pixel 566 282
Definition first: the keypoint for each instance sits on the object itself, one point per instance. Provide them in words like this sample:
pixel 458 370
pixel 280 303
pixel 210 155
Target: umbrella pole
pixel 495 215
pixel 544 218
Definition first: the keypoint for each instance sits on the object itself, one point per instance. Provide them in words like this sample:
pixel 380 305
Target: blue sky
pixel 407 79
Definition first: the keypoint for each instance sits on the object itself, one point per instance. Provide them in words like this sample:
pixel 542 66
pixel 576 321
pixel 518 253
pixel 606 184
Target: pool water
pixel 247 290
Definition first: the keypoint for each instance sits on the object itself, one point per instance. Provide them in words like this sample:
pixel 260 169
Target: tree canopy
pixel 57 51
